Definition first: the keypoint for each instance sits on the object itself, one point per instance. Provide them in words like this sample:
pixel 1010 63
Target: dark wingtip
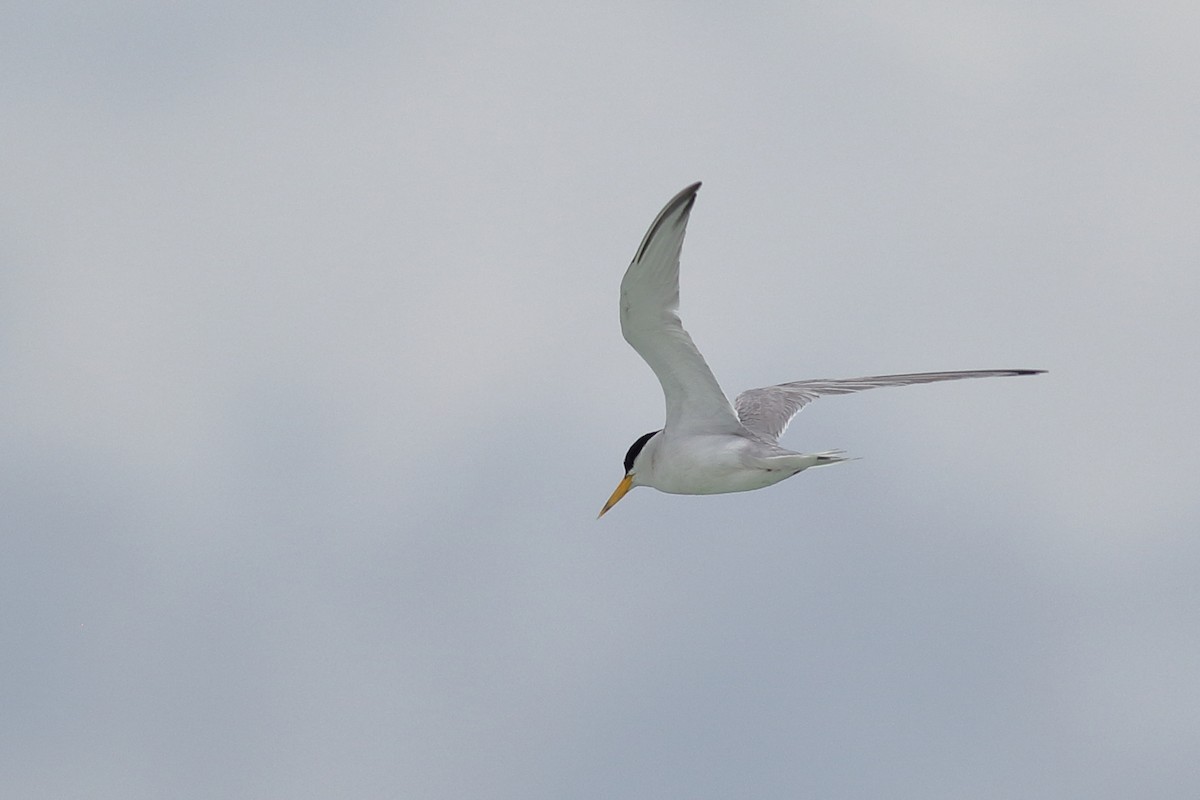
pixel 686 198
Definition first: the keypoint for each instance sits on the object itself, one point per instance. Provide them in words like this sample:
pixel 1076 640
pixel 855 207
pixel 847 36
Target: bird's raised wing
pixel 768 411
pixel 650 323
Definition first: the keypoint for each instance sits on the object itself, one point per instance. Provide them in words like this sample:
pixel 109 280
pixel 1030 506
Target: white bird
pixel 706 445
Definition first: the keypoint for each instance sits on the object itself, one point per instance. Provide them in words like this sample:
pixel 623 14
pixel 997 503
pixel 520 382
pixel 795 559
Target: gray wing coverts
pixel 767 411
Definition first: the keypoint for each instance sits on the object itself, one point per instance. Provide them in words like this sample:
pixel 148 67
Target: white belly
pixel 715 465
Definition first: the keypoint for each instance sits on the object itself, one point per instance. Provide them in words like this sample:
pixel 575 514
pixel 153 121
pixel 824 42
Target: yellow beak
pixel 622 489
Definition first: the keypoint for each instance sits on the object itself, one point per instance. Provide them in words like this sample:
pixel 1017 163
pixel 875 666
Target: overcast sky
pixel 311 387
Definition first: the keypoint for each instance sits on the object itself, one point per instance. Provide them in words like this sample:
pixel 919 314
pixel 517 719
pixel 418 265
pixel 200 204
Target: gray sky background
pixel 312 386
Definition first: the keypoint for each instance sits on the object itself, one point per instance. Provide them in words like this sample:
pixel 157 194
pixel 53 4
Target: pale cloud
pixel 313 386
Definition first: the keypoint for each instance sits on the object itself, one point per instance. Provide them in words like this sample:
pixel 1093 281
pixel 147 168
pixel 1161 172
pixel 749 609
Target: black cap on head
pixel 636 448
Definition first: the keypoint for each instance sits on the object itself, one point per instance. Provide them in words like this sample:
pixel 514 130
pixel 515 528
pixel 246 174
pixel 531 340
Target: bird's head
pixel 632 462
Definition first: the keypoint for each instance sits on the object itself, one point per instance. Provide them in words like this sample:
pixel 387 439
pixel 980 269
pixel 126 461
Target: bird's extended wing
pixel 768 411
pixel 650 323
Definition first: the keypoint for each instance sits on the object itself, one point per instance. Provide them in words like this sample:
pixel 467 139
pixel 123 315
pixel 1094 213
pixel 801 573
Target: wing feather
pixel 650 323
pixel 768 411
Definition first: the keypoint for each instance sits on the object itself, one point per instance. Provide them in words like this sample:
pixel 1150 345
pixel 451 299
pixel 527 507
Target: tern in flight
pixel 706 445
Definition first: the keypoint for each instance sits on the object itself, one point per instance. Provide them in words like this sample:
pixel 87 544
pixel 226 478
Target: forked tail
pixel 826 457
